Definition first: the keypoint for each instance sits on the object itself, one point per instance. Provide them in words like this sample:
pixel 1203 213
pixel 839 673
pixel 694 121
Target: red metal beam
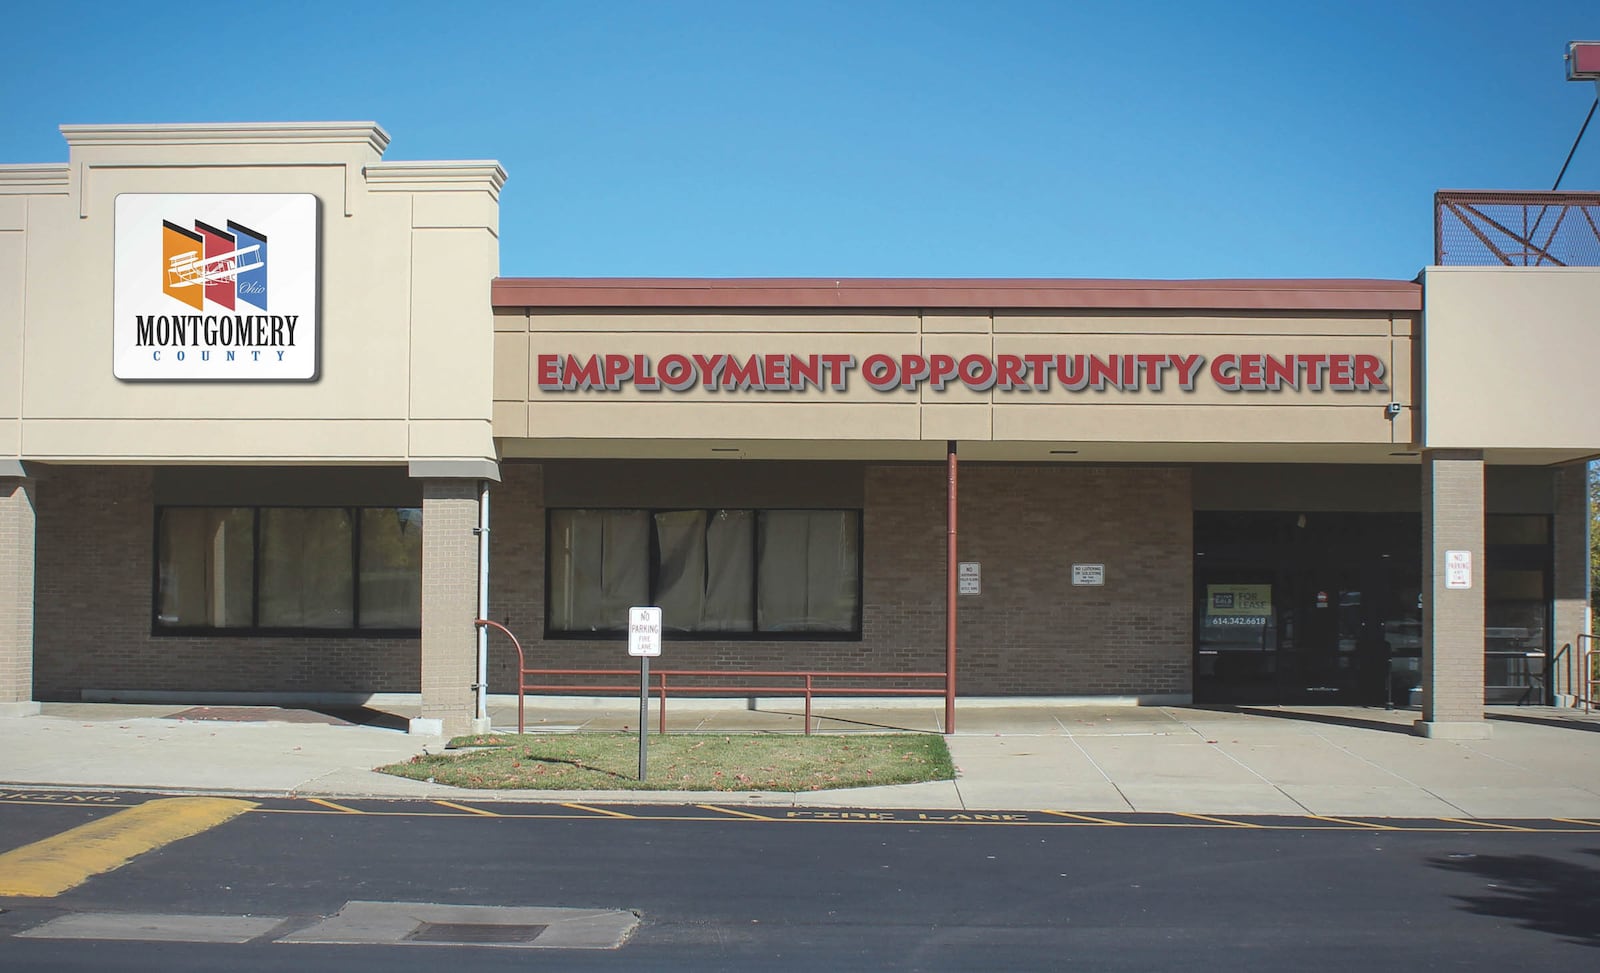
pixel 957 294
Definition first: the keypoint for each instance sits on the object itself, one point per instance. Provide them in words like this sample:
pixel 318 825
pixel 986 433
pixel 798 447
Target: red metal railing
pixel 795 683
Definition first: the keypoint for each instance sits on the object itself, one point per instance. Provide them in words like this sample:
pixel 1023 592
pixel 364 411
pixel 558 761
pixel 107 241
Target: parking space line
pixel 1203 817
pixel 1487 824
pixel 337 807
pixel 602 811
pixel 1365 825
pixel 1087 819
pixel 469 810
pixel 51 866
pixel 737 814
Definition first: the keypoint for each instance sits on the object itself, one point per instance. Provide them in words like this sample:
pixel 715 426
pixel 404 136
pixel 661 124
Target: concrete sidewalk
pixel 1024 755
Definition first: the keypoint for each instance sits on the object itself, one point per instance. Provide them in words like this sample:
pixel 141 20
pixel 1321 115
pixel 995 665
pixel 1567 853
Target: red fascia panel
pixel 957 294
pixel 1583 61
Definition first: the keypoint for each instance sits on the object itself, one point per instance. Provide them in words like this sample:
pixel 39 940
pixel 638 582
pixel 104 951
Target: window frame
pixel 255 629
pixel 620 634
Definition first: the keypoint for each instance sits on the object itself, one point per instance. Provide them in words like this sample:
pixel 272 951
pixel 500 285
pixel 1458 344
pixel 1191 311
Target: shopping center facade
pixel 257 385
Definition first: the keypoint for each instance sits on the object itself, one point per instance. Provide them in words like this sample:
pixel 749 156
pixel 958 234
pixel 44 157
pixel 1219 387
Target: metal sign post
pixel 644 641
pixel 644 713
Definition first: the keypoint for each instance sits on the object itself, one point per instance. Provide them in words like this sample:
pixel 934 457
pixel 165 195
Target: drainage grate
pixel 468 933
pixel 491 927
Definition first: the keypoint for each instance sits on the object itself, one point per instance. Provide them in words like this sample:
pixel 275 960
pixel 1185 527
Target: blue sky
pixel 1156 139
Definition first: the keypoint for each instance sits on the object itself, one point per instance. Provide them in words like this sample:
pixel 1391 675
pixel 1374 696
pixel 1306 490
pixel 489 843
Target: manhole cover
pixel 473 932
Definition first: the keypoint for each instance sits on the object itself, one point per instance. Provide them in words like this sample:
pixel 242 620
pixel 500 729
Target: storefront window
pixel 705 570
pixel 288 569
pixel 206 567
pixel 1516 596
pixel 599 561
pixel 306 581
pixel 391 567
pixel 808 571
pixel 722 572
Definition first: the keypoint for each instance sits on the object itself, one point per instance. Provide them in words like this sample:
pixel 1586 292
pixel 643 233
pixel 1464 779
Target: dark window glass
pixel 719 571
pixel 288 568
pixel 306 581
pixel 205 567
pixel 704 569
pixel 391 567
pixel 808 571
pixel 1516 529
pixel 599 568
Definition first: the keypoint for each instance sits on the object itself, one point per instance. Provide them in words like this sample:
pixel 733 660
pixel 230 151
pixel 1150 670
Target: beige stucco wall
pixel 1506 360
pixel 406 339
pixel 1207 414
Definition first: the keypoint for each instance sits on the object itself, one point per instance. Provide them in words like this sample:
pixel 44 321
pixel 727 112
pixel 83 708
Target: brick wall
pixel 449 602
pixel 95 590
pixel 1452 627
pixel 1032 630
pixel 1029 633
pixel 16 590
pixel 1570 610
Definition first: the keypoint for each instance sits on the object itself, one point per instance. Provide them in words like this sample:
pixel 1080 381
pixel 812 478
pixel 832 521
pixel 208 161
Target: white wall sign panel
pixel 644 632
pixel 1088 574
pixel 219 287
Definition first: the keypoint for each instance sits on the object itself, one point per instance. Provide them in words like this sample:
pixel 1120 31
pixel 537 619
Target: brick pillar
pixel 17 524
pixel 1452 618
pixel 1570 611
pixel 449 603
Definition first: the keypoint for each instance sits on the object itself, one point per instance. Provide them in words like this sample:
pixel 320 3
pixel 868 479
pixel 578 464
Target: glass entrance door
pixel 1326 625
pixel 1336 605
pixel 1236 658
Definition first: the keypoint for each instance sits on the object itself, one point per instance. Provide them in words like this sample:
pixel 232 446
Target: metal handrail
pixel 1587 677
pixel 804 685
pixel 521 660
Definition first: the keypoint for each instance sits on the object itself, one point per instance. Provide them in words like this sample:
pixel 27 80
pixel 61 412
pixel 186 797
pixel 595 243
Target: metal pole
pixel 1586 120
pixel 644 711
pixel 483 606
pixel 951 569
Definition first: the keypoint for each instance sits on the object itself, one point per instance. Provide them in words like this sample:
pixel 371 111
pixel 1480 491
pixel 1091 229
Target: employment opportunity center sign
pixel 1036 373
pixel 215 286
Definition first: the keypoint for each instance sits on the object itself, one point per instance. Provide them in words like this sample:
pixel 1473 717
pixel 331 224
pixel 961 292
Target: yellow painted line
pixel 1234 824
pixel 337 807
pixel 64 861
pixel 1296 824
pixel 729 810
pixel 1356 824
pixel 469 810
pixel 1591 824
pixel 596 810
pixel 1087 819
pixel 35 803
pixel 1486 824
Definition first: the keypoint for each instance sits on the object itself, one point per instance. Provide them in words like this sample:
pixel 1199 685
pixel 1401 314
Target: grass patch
pixel 684 762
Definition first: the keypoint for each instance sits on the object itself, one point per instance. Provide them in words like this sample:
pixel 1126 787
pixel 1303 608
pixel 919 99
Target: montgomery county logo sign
pixel 200 294
pixel 224 267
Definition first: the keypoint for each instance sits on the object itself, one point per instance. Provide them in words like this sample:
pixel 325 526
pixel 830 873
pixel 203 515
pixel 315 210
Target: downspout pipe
pixel 481 721
pixel 951 569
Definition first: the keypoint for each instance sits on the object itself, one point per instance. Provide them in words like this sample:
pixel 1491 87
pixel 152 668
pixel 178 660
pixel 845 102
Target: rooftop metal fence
pixel 1516 229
